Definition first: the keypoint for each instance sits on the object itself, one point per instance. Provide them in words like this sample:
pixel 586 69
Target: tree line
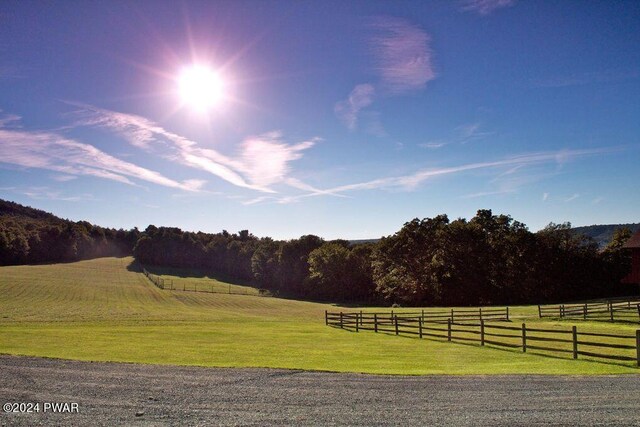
pixel 489 259
pixel 32 236
pixel 308 267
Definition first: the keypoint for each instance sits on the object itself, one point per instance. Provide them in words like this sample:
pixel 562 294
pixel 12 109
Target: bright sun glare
pixel 200 87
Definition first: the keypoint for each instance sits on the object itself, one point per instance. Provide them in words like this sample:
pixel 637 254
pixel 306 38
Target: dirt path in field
pixel 125 394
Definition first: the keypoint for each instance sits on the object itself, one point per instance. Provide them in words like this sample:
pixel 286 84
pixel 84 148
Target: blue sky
pixel 341 119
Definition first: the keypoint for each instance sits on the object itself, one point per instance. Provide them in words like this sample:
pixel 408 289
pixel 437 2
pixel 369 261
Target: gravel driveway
pixel 126 394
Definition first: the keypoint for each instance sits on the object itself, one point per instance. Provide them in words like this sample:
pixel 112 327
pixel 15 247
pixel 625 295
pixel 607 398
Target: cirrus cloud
pixel 51 151
pixel 360 97
pixel 484 7
pixel 262 161
pixel 402 54
pixel 403 63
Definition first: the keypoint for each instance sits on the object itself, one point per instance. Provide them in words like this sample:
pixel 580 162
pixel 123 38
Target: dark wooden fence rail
pixel 569 341
pixel 463 314
pixel 628 310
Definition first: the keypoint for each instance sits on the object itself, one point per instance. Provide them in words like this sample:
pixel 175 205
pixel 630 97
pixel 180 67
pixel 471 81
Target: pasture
pixel 106 310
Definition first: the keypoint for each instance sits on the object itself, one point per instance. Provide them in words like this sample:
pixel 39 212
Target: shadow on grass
pixel 187 273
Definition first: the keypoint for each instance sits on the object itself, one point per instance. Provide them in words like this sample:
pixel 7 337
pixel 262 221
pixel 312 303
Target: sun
pixel 201 88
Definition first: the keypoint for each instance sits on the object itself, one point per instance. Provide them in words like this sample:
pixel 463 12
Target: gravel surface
pixel 126 394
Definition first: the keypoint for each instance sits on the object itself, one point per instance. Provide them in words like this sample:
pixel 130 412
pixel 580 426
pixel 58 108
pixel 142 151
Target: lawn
pixel 106 310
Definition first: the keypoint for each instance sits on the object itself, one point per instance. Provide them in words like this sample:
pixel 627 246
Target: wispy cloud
pixel 433 145
pixel 487 193
pixel 265 159
pixel 597 200
pixel 63 178
pixel 360 97
pixel 545 197
pixel 402 58
pixel 471 132
pixel 572 197
pixel 515 177
pixel 262 161
pixel 462 134
pixel 409 182
pixel 44 193
pixel 137 130
pixel 50 151
pixel 257 200
pixel 9 120
pixel 484 7
pixel 412 181
pixel 403 55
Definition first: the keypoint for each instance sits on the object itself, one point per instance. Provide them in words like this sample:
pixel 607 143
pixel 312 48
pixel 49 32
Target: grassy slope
pixel 100 310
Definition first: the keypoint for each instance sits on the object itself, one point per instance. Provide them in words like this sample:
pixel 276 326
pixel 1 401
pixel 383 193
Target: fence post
pixel 584 310
pixel 638 311
pixel 561 311
pixel 361 318
pixel 481 330
pixel 539 312
pixel 357 322
pixel 452 315
pixel 449 329
pixel 420 327
pixel 611 311
pixel 423 312
pixel 574 330
pixel 326 318
pixel 507 313
pixel 480 311
pixel 396 320
pixel 341 321
pixel 184 286
pixel 524 338
pixel 638 346
pixel 375 322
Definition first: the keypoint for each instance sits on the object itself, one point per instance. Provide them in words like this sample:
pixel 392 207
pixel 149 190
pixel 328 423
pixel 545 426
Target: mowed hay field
pixel 105 310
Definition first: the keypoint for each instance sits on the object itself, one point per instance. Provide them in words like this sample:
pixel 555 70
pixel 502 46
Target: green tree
pixel 264 263
pixel 293 266
pixel 409 266
pixel 329 272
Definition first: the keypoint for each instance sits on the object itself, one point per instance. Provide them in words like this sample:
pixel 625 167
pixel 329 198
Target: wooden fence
pixel 628 310
pixel 460 314
pixel 168 284
pixel 160 282
pixel 567 341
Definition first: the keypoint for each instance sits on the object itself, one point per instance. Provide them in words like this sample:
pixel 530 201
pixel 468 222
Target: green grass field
pixel 104 310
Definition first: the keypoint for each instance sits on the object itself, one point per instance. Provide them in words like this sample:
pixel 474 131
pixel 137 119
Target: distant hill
pixel 33 236
pixel 18 210
pixel 603 234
